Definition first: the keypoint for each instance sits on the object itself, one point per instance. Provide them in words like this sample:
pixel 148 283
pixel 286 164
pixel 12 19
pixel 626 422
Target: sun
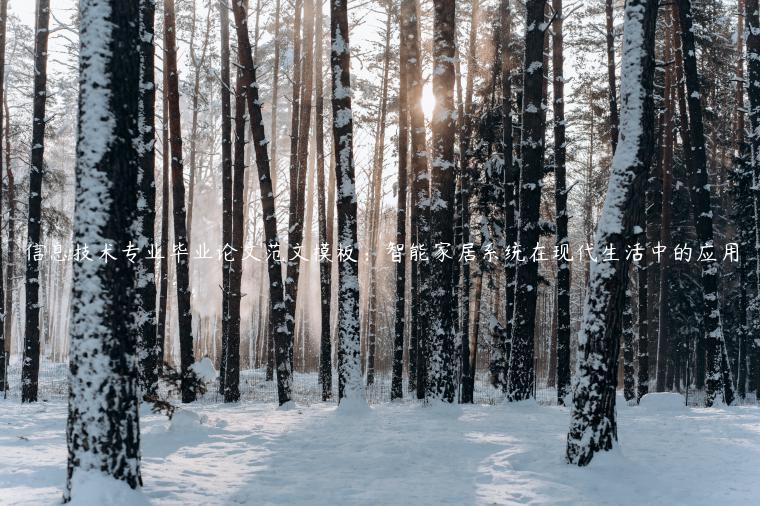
pixel 428 101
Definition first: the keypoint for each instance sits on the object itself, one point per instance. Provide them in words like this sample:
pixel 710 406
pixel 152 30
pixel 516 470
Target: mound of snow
pixel 93 487
pixel 204 369
pixel 663 401
pixel 184 419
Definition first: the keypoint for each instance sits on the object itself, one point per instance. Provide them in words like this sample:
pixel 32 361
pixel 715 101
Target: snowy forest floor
pixel 404 453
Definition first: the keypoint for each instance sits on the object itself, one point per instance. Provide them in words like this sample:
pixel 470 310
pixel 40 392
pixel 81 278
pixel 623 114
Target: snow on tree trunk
pixel 350 387
pixel 521 373
pixel 325 267
pixel 560 197
pixel 31 365
pixel 593 426
pixel 103 433
pixel 4 309
pixel 276 291
pixel 752 20
pixel 441 384
pixel 149 353
pixel 629 382
pixel 718 380
pixel 397 391
pixel 409 29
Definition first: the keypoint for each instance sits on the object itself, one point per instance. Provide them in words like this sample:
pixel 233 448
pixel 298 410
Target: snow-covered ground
pixel 254 453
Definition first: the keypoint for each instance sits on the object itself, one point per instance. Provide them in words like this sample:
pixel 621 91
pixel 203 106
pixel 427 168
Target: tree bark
pixel 163 297
pixel 560 197
pixel 31 365
pixel 325 267
pixel 276 293
pixel 593 427
pixel 350 386
pixel 397 390
pixel 146 276
pixel 718 376
pixel 4 309
pixel 103 431
pixel 611 78
pixel 521 373
pixel 181 251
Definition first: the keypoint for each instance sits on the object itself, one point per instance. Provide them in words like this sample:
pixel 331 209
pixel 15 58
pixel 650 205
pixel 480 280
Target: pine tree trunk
pixel 512 179
pixel 276 291
pixel 295 225
pixel 3 298
pixel 231 358
pixel 560 196
pixel 397 391
pixel 441 384
pixel 103 432
pixel 521 373
pixel 718 376
pixel 10 267
pixel 31 366
pixel 752 20
pixel 663 345
pixel 180 249
pixel 325 267
pixel 593 427
pixel 350 386
pixel 226 88
pixel 420 188
pixel 146 278
pixel 163 297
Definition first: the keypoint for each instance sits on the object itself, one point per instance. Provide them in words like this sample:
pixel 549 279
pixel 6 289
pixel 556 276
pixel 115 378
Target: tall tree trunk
pixel 350 386
pixel 512 179
pixel 146 276
pixel 231 357
pixel 31 366
pixel 465 116
pixel 441 384
pixel 181 251
pixel 3 298
pixel 397 390
pixel 718 375
pixel 521 373
pixel 560 197
pixel 629 384
pixel 10 268
pixel 276 292
pixel 663 344
pixel 299 156
pixel 752 20
pixel 420 188
pixel 163 297
pixel 593 427
pixel 325 268
pixel 103 431
pixel 226 89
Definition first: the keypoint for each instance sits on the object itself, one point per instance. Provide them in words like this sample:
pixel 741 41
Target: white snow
pixel 93 487
pixel 400 453
pixel 204 369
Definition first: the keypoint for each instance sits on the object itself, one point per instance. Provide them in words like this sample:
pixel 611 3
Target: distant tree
pixel 4 310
